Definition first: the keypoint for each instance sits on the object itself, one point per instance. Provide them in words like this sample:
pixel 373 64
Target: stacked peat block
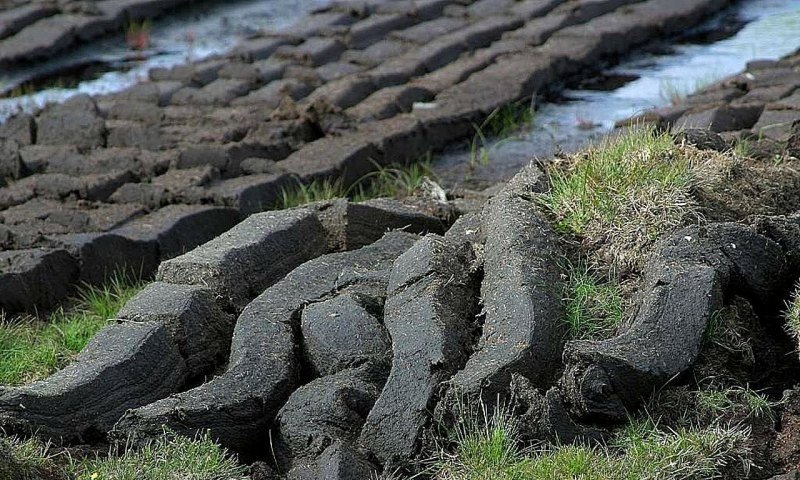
pixel 123 181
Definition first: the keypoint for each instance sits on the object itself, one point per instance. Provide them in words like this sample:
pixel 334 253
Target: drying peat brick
pixel 35 278
pixel 250 194
pixel 315 51
pixel 263 369
pixel 242 262
pixel 196 75
pixel 340 461
pixel 367 221
pixel 366 32
pixel 776 124
pixel 376 53
pixel 344 331
pixel 349 157
pixel 197 325
pixel 545 416
pixel 388 102
pixel 19 128
pixel 75 122
pixel 122 367
pixel 104 254
pixel 352 225
pixel 522 289
pixel 721 119
pixel 344 92
pixel 430 313
pixel 325 410
pixel 14 20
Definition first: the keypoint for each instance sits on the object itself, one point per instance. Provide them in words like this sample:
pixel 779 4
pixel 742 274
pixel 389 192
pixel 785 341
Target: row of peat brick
pixel 353 86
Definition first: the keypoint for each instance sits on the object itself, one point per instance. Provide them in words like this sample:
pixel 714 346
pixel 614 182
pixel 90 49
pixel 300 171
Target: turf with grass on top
pixel 626 192
pixel 31 349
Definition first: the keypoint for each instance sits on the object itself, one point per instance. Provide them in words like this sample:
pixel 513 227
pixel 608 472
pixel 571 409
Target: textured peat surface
pixel 330 338
pixel 120 182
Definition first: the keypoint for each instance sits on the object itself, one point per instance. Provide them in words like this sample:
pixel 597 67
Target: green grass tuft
pixel 25 459
pixel 31 349
pixel 392 181
pixel 171 457
pixel 639 451
pixel 508 120
pixel 792 315
pixel 315 191
pixel 624 193
pixel 594 307
pixel 719 402
pixel 499 127
pixel 486 444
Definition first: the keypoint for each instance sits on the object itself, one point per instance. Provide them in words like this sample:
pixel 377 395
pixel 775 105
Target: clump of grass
pixel 675 92
pixel 594 307
pixel 641 450
pixel 392 181
pixel 170 457
pixel 508 119
pixel 792 315
pixel 27 459
pixel 500 126
pixel 315 191
pixel 486 444
pixel 672 92
pixel 727 332
pixel 623 194
pixel 31 349
pixel 742 148
pixel 727 402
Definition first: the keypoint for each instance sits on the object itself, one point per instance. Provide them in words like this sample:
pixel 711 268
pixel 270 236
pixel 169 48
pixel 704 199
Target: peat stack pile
pixel 311 340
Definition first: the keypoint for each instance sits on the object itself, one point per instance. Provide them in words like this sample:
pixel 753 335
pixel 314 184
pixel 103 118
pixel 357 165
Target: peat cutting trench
pixel 330 340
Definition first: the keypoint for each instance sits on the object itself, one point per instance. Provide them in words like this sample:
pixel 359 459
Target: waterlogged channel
pixel 771 30
pixel 109 65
